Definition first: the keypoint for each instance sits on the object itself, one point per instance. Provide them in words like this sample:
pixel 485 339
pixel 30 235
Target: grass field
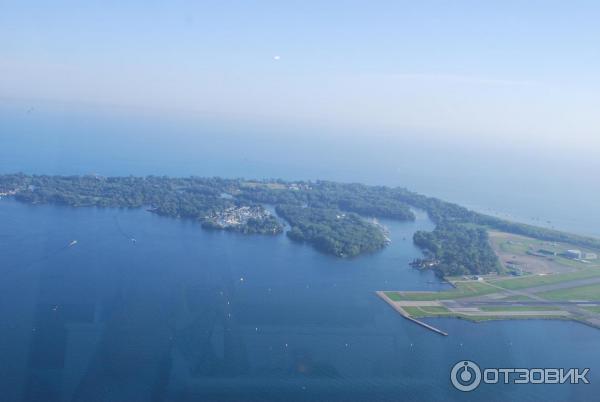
pixel 517 244
pixel 429 311
pixel 463 289
pixel 422 312
pixel 590 292
pixel 533 256
pixel 519 308
pixel 270 185
pixel 481 318
pixel 541 264
pixel 479 288
pixel 517 298
pixel 540 280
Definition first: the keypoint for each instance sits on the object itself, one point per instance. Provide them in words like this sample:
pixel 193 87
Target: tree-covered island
pixel 330 216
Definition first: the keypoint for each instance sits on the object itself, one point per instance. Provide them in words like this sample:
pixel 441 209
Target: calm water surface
pixel 184 314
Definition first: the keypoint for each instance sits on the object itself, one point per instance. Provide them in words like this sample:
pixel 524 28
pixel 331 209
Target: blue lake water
pixel 542 187
pixel 185 314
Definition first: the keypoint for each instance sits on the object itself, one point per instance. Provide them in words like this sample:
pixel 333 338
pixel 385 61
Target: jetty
pixel 407 316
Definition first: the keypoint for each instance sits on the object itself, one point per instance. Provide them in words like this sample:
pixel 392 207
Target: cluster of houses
pixel 235 216
pixel 299 186
pixel 7 193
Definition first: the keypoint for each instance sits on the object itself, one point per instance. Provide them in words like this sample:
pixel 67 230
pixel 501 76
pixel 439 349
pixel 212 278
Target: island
pixel 498 268
pixel 335 218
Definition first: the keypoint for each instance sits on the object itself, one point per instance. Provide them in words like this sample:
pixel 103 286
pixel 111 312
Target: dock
pixel 404 314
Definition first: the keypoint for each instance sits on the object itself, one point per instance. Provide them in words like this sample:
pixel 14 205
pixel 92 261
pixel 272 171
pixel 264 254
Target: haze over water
pixel 540 185
pixel 185 314
pixel 492 105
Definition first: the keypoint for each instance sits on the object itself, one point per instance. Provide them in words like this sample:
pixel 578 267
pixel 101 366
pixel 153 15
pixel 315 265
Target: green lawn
pixel 519 308
pixel 593 309
pixel 589 292
pixel 540 280
pixel 517 298
pixel 434 309
pixel 476 288
pixel 514 247
pixel 520 245
pixel 428 311
pixel 463 289
pixel 421 312
pixel 479 318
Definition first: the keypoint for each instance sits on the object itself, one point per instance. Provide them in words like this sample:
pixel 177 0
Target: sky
pixel 500 72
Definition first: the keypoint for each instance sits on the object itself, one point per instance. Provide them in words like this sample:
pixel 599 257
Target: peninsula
pixel 499 269
pixel 330 216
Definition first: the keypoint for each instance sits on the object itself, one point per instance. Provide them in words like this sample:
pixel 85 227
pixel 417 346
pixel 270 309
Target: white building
pixel 575 254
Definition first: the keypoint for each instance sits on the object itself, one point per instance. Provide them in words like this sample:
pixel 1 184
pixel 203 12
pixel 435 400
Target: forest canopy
pixel 332 217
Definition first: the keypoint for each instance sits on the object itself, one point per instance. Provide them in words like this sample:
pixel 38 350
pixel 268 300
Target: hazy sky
pixel 505 71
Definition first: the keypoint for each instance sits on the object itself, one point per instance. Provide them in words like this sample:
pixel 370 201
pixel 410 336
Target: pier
pixel 404 314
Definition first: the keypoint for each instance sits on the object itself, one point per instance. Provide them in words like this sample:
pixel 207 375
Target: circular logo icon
pixel 465 375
